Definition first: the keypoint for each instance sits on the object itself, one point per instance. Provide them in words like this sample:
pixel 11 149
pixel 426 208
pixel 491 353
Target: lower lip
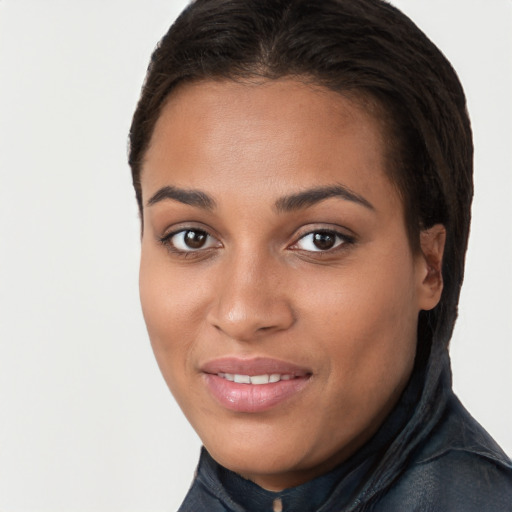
pixel 253 397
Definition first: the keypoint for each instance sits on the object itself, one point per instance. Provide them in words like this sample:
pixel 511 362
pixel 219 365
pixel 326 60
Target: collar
pixel 328 493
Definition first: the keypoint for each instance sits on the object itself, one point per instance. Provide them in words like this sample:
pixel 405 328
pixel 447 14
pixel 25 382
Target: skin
pixel 259 287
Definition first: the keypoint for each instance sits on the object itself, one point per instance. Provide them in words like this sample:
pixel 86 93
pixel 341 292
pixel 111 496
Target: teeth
pixel 259 379
pixel 255 379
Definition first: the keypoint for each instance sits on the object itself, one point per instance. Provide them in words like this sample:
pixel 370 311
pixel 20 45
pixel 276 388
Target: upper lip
pixel 253 366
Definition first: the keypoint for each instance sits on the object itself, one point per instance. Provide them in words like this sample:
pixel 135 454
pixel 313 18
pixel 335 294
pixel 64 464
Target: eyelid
pixel 343 239
pixel 166 239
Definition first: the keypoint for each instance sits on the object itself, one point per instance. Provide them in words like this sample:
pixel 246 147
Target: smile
pixel 253 385
pixel 255 379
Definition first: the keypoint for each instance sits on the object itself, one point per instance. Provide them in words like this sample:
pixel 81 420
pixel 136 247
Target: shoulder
pixel 458 468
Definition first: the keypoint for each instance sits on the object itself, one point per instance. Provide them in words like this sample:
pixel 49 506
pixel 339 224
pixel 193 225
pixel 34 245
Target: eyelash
pixel 341 240
pixel 167 241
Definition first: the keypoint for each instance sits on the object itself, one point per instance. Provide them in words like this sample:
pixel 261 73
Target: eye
pixel 190 240
pixel 321 241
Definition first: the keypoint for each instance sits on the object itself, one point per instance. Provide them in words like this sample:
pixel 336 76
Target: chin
pixel 257 452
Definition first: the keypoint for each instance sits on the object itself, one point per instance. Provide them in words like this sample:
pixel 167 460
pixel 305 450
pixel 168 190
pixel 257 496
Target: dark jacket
pixel 429 455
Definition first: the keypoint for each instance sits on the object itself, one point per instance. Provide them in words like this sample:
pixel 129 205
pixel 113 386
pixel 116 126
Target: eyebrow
pixel 292 202
pixel 190 197
pixel 312 196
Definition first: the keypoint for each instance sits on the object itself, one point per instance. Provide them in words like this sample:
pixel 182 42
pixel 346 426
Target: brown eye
pixel 195 239
pixel 324 240
pixel 189 240
pixel 321 241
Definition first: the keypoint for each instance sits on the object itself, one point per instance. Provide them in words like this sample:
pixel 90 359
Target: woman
pixel 304 177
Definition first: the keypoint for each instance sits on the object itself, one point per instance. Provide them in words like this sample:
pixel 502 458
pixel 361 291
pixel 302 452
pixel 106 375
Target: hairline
pixel 362 98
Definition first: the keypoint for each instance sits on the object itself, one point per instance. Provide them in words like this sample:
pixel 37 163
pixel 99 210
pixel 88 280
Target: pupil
pixel 195 239
pixel 324 241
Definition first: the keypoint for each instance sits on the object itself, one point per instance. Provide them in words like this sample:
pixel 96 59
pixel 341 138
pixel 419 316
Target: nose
pixel 251 300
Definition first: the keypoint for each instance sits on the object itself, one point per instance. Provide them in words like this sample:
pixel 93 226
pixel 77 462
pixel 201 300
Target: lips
pixel 253 385
pixel 255 379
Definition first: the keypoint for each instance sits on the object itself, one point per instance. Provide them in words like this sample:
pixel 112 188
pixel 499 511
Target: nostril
pixel 249 312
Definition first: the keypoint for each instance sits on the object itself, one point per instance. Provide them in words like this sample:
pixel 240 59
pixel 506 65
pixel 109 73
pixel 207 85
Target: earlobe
pixel 432 243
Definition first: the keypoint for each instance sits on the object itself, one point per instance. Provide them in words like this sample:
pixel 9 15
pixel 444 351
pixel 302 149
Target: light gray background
pixel 86 422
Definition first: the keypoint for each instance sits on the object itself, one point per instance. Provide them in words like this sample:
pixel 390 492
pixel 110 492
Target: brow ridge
pixel 310 197
pixel 185 196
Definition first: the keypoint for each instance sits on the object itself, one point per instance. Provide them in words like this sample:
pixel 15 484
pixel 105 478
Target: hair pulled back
pixel 362 47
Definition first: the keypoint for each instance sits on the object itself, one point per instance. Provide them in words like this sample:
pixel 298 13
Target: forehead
pixel 247 133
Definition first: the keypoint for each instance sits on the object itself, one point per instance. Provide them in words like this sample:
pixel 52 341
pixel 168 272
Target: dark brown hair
pixel 365 48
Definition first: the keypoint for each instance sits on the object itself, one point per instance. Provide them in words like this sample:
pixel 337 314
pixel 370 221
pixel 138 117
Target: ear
pixel 430 265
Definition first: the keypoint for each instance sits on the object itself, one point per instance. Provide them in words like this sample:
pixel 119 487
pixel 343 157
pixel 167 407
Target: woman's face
pixel 277 282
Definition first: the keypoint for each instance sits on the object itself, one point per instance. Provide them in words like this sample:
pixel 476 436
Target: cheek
pixel 170 305
pixel 368 293
pixel 367 321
